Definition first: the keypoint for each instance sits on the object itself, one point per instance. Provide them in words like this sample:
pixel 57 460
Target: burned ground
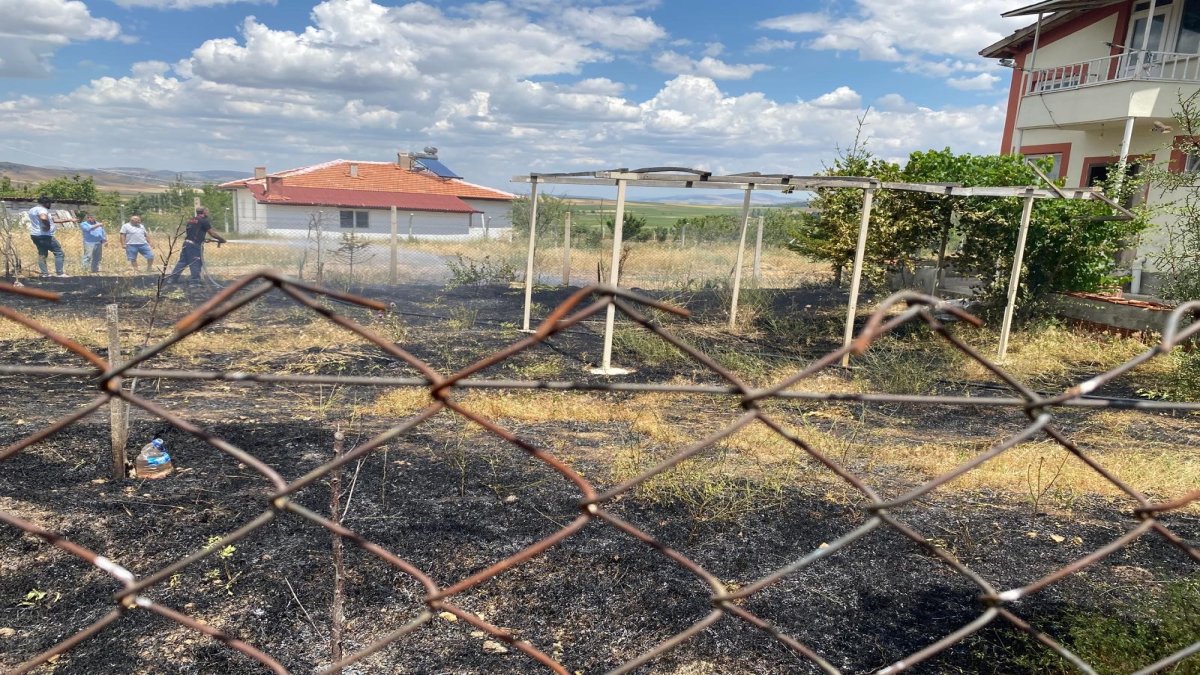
pixel 453 499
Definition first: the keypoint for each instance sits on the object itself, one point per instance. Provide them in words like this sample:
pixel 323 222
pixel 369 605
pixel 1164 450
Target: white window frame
pixel 360 220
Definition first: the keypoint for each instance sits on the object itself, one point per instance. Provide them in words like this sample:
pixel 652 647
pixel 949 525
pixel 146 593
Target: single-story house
pixel 428 200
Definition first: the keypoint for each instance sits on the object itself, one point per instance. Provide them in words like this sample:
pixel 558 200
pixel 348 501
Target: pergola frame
pixel 681 178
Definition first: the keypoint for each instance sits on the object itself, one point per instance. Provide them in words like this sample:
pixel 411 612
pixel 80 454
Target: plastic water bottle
pixel 153 461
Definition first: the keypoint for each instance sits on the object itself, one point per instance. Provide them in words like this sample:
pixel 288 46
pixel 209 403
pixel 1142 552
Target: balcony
pixel 1131 65
pixel 1131 84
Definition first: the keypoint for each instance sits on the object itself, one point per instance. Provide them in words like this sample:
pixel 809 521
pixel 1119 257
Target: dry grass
pixel 752 467
pixel 1048 353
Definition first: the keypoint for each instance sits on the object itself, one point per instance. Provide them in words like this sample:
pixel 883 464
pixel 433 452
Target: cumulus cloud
pixel 613 27
pixel 681 64
pixel 843 97
pixel 33 30
pixel 980 82
pixel 906 31
pixel 502 88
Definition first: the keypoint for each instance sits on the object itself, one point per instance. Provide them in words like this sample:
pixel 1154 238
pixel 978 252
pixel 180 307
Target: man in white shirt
pixel 42 227
pixel 135 241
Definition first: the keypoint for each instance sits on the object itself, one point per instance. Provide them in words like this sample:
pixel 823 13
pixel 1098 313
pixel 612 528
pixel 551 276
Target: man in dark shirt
pixel 192 254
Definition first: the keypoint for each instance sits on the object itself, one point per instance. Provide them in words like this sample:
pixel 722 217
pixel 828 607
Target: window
pixel 1056 169
pixel 352 219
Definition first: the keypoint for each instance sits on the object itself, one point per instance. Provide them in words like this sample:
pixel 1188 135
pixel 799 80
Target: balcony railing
pixel 1130 65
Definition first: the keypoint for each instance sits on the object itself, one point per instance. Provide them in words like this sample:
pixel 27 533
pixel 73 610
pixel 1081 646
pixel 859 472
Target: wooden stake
pixel 758 252
pixel 860 251
pixel 566 275
pixel 737 267
pixel 529 259
pixel 116 407
pixel 395 230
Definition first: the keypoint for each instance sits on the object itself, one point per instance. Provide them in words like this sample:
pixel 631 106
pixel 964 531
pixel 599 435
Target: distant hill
pixel 121 179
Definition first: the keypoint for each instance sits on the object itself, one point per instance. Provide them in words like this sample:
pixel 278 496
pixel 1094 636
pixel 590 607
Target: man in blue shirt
pixel 42 227
pixel 94 239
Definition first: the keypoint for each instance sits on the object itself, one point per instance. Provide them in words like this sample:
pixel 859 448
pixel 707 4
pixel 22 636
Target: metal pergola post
pixel 1014 279
pixel 678 178
pixel 741 253
pixel 614 276
pixel 533 183
pixel 860 251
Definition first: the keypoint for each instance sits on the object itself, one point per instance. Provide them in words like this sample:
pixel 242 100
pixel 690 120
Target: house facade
pixel 1096 85
pixel 369 198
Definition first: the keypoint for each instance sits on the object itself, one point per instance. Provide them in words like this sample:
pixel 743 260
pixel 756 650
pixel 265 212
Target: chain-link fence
pixel 995 605
pixel 672 252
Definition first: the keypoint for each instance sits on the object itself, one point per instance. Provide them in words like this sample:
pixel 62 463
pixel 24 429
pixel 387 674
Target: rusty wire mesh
pixel 994 603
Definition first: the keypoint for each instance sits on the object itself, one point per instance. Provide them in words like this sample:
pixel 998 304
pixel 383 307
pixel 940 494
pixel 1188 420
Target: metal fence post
pixel 614 276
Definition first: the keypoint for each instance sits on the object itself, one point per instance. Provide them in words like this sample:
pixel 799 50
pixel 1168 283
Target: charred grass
pixel 453 498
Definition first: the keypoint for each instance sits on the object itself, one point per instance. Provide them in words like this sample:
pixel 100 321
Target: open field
pixel 648 265
pixel 453 498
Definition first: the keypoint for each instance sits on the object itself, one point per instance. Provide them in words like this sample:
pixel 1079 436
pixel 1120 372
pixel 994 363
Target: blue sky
pixel 502 87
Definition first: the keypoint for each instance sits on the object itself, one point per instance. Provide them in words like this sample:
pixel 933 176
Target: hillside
pixel 122 179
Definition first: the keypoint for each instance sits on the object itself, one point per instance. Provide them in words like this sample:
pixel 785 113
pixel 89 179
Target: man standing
pixel 94 239
pixel 192 255
pixel 135 241
pixel 42 227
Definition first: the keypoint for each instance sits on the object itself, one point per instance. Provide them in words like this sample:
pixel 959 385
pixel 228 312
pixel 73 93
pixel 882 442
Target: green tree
pixel 73 188
pixel 551 213
pixel 832 236
pixel 218 202
pixel 633 228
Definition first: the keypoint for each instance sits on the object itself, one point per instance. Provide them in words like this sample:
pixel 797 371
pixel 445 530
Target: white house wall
pixel 284 218
pixel 498 213
pixel 1082 45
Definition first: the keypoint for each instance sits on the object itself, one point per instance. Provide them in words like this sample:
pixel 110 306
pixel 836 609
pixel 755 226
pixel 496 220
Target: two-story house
pixel 1096 84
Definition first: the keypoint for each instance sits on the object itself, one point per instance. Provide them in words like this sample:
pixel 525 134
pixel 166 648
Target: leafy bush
pixel 466 271
pixel 1071 245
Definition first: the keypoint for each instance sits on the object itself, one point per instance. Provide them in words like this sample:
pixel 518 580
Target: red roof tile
pixel 374 177
pixel 362 199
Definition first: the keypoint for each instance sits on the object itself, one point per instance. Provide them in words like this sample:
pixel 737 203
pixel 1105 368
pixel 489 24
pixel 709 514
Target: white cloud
pixel 681 64
pixel 501 88
pixel 981 82
pixel 186 4
pixel 843 97
pixel 763 45
pixel 895 103
pixel 908 32
pixel 614 27
pixel 33 30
